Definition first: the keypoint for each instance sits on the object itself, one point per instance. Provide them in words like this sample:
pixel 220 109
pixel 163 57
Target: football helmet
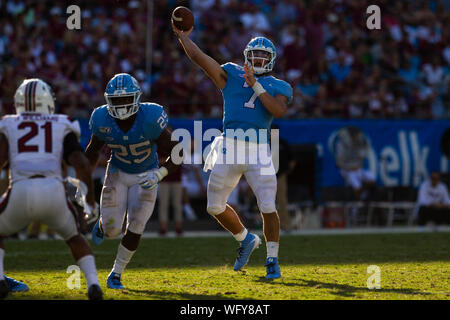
pixel 122 96
pixel 254 48
pixel 34 95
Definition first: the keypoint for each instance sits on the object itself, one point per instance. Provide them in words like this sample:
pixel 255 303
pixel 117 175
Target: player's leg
pixel 163 206
pixel 190 189
pixel 61 216
pixel 281 201
pixel 177 203
pixel 264 187
pixel 222 181
pixel 113 206
pixel 13 217
pixel 141 203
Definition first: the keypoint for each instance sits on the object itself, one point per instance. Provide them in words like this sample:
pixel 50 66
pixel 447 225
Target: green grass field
pixel 413 266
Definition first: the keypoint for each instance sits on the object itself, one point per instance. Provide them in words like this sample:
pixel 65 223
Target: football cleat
pixel 272 268
pixel 250 243
pixel 97 234
pixel 16 286
pixel 114 282
pixel 4 289
pixel 95 292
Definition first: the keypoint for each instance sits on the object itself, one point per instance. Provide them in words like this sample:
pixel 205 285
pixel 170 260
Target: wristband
pixel 258 88
pixel 162 172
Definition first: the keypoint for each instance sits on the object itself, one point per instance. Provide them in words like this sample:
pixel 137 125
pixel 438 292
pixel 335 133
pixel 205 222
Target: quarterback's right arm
pixel 210 66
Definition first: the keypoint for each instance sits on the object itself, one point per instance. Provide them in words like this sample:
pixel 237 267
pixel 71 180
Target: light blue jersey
pixel 135 150
pixel 242 108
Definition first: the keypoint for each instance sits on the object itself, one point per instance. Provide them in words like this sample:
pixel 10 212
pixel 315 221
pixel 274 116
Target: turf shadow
pixel 343 290
pixel 163 295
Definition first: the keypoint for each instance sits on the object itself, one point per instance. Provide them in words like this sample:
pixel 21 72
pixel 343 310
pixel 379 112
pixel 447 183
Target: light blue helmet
pixel 260 44
pixel 122 96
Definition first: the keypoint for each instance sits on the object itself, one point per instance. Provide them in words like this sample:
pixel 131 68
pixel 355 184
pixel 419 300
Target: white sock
pixel 2 255
pixel 87 265
pixel 272 249
pixel 123 257
pixel 241 235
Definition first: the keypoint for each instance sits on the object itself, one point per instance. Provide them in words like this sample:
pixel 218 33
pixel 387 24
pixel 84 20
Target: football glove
pixel 91 214
pixel 148 180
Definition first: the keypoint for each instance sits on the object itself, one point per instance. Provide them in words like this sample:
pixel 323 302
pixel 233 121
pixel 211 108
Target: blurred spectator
pixel 194 181
pixel 170 191
pixel 286 165
pixel 351 151
pixel 400 71
pixel 433 201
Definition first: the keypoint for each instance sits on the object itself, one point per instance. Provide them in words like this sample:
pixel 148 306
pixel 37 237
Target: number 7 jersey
pixel 242 108
pixel 36 143
pixel 133 151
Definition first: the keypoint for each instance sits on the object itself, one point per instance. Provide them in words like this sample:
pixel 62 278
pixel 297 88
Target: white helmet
pixel 34 95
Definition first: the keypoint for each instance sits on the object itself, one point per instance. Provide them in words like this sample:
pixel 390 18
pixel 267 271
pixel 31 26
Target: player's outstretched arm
pixel 3 151
pixel 93 150
pixel 210 66
pixel 277 105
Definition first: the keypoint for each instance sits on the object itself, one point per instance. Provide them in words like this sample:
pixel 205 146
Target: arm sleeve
pixel 286 90
pixel 230 68
pixel 158 121
pixel 70 145
pixel 92 126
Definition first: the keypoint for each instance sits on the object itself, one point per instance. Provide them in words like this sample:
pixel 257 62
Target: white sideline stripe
pixel 311 232
pixel 325 232
pixel 50 252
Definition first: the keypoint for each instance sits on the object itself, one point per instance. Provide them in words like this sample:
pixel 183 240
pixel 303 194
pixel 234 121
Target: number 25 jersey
pixel 36 143
pixel 133 151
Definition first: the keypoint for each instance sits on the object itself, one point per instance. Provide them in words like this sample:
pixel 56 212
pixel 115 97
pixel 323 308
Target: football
pixel 183 18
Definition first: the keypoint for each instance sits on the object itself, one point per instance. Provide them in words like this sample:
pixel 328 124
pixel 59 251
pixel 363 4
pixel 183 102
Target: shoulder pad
pixel 232 67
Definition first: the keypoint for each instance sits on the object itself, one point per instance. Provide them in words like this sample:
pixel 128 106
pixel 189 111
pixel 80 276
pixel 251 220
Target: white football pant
pixel 39 199
pixel 257 168
pixel 120 195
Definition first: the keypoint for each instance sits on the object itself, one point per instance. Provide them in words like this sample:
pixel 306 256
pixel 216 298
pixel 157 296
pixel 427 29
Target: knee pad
pixel 215 209
pixel 267 206
pixel 266 194
pixel 136 226
pixel 112 232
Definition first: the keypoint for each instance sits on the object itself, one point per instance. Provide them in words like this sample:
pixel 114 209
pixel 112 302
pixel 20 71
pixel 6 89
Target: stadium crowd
pixel 338 67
